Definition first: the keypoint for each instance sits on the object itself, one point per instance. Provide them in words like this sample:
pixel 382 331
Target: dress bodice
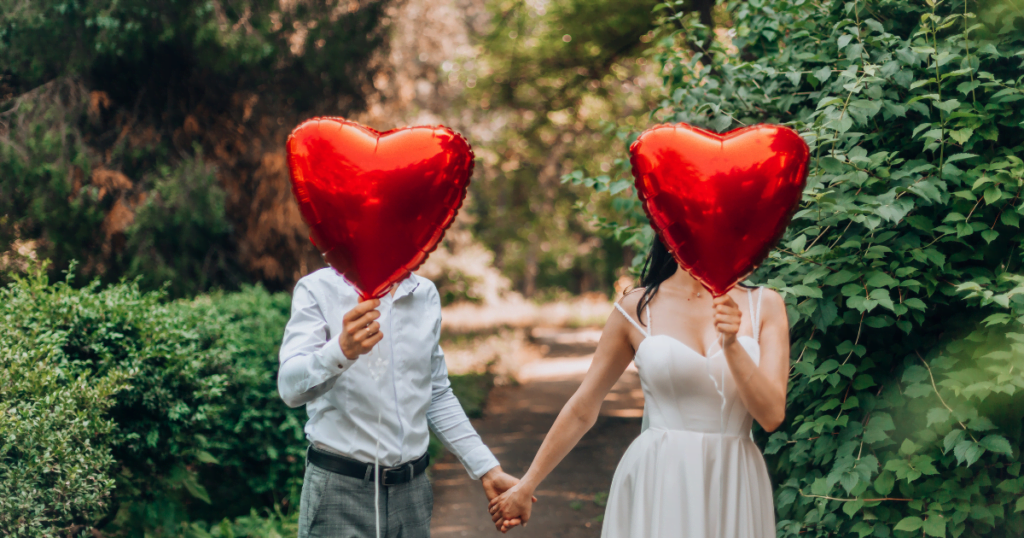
pixel 681 387
pixel 684 390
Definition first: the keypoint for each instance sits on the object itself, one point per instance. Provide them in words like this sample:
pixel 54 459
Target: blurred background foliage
pixel 145 140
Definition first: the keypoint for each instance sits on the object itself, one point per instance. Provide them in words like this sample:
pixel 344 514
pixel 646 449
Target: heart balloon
pixel 377 203
pixel 719 203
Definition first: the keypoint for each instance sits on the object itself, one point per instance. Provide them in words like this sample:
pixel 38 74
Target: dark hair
pixel 658 267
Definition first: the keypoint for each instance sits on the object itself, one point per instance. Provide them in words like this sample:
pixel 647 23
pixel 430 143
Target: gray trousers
pixel 338 506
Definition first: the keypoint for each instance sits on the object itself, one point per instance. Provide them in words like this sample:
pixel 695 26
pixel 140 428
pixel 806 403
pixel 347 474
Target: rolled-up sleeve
pixel 450 423
pixel 310 356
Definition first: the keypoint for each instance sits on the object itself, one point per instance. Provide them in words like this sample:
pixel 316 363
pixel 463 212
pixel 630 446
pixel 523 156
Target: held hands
pixel 497 482
pixel 360 332
pixel 512 508
pixel 727 319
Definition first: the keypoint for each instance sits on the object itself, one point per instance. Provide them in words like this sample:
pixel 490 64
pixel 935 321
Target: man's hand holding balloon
pixel 361 332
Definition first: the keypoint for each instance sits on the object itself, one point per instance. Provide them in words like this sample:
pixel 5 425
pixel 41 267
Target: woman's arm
pixel 614 352
pixel 762 387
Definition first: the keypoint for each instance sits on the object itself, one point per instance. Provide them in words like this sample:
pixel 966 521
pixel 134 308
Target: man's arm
pixel 311 357
pixel 451 425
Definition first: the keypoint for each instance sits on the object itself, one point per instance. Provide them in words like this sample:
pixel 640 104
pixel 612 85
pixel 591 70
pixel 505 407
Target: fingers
pixel 507 525
pixel 724 300
pixel 353 327
pixel 372 341
pixel 727 318
pixel 361 309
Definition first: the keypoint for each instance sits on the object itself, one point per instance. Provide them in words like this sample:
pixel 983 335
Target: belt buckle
pixel 386 470
pixel 384 476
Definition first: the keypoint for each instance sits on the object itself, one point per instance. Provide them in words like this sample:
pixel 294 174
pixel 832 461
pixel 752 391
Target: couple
pixel 708 366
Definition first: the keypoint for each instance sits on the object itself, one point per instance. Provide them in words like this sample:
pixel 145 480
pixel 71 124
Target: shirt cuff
pixel 332 360
pixel 479 461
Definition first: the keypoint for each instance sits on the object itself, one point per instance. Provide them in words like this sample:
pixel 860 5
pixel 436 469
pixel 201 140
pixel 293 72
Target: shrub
pixel 55 458
pixel 902 270
pixel 160 399
pixel 122 411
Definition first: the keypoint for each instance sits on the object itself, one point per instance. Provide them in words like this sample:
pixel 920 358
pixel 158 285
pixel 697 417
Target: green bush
pixel 901 271
pixel 55 458
pixel 122 411
pixel 181 402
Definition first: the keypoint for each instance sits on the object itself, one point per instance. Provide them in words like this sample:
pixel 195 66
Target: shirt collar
pixel 407 286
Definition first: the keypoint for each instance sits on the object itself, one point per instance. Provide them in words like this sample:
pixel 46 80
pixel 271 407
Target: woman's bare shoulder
pixel 631 298
pixel 772 301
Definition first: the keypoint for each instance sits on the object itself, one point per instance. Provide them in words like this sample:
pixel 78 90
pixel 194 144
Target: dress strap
pixel 757 315
pixel 633 321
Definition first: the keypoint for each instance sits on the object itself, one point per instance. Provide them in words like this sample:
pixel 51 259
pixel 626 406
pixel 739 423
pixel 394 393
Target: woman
pixel 708 367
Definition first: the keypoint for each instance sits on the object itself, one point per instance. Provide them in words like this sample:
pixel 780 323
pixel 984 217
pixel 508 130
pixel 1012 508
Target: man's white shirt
pixel 341 397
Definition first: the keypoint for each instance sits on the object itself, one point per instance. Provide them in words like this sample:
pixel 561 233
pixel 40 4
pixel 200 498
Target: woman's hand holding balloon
pixel 361 331
pixel 727 319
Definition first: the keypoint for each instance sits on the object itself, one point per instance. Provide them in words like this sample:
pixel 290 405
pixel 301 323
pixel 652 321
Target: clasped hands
pixel 512 507
pixel 498 485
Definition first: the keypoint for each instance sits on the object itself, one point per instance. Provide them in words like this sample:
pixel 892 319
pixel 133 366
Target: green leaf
pixel 881 296
pixel 863 529
pixel 195 488
pixel 206 457
pixel 992 195
pixel 806 291
pixel 851 508
pixel 822 75
pixel 915 303
pixel 878 279
pixel 967 451
pixel 935 526
pixel 909 524
pixel 862 382
pixel 962 135
pixel 997 444
pixel 989 235
pixel 825 314
pixel 877 426
pixel 840 277
pixel 884 482
pixel 937 415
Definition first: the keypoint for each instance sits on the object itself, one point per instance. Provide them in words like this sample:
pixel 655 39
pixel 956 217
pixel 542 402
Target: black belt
pixel 388 476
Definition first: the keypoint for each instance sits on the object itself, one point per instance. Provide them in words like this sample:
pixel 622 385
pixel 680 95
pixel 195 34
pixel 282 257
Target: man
pixel 321 368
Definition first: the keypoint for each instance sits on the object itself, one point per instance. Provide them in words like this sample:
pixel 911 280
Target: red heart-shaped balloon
pixel 719 203
pixel 377 203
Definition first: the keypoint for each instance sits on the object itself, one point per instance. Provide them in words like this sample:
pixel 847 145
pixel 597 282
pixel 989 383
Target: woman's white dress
pixel 694 471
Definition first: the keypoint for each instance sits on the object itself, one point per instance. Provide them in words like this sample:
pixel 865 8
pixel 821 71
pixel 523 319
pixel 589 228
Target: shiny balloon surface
pixel 377 203
pixel 719 203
